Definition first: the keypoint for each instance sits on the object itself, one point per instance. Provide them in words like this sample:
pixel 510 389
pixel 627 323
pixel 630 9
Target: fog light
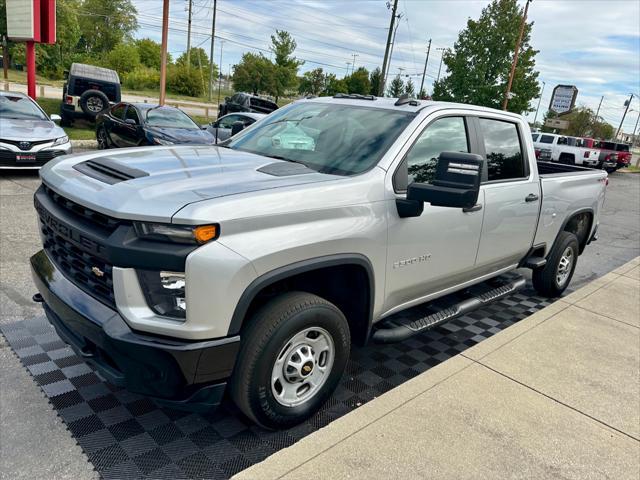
pixel 164 292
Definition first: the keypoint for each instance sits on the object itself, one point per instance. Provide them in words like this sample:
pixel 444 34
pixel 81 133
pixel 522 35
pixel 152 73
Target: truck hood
pixel 165 179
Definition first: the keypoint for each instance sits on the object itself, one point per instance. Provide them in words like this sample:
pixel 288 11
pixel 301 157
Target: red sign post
pixel 31 21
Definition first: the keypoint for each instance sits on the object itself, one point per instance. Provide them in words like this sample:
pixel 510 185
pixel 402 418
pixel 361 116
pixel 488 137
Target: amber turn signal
pixel 205 233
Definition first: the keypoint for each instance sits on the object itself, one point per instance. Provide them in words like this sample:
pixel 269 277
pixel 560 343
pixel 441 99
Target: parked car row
pixel 587 152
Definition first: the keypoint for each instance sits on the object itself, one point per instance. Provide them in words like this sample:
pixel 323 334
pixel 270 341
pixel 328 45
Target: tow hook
pixel 37 298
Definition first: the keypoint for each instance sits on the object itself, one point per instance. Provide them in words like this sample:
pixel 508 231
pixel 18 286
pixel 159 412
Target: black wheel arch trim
pixel 567 220
pixel 281 273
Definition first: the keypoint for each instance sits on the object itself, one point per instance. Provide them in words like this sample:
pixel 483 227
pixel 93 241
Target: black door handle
pixel 532 197
pixel 475 208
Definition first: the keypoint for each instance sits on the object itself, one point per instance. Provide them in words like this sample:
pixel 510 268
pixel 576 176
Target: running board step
pixel 400 332
pixel 535 262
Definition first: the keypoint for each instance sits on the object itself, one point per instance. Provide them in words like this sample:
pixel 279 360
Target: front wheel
pixel 293 354
pixel 552 279
pixel 101 137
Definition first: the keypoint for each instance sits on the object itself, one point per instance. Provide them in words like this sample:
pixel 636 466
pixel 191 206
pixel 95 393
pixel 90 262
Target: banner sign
pixel 563 98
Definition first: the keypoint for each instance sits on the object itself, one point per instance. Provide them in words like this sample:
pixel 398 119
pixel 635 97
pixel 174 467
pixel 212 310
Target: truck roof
pixel 390 104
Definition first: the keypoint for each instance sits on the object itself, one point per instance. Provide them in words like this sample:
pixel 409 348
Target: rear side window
pixel 505 160
pixel 132 114
pixel 535 136
pixel 118 111
pixel 622 147
pixel 546 139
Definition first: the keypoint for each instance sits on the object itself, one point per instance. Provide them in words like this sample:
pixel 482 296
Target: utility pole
pixel 213 37
pixel 628 102
pixel 189 37
pixel 163 51
pixel 388 47
pixel 538 107
pixel 505 102
pixel 424 72
pixel 348 66
pixel 633 137
pixel 599 105
pixel 353 65
pixel 441 57
pixel 220 73
pixel 393 42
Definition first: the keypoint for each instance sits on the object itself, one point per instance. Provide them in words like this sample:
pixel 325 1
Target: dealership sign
pixel 31 21
pixel 563 98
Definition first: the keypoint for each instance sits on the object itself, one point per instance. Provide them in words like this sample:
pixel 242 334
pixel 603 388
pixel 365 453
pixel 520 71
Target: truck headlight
pixel 164 292
pixel 61 141
pixel 190 234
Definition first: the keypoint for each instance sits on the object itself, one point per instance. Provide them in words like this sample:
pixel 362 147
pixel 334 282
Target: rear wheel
pixel 552 279
pixel 293 354
pixel 567 158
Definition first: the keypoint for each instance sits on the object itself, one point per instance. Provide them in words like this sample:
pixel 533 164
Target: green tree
pixel 150 53
pixel 184 81
pixel 254 73
pixel 374 79
pixel 423 94
pixel 410 88
pixel 285 74
pixel 396 88
pixel 334 85
pixel 197 58
pixel 124 58
pixel 358 81
pixel 480 61
pixel 106 23
pixel 312 82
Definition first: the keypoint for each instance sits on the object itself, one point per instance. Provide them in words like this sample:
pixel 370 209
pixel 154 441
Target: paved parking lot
pixel 35 443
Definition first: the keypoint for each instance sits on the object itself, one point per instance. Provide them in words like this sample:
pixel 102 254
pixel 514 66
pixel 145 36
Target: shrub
pixel 124 58
pixel 142 78
pixel 184 82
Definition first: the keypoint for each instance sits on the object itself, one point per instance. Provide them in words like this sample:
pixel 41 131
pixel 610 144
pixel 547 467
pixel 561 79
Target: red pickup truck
pixel 613 155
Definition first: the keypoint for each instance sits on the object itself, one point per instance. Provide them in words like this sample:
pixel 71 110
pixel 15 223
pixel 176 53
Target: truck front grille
pixel 77 257
pixel 86 271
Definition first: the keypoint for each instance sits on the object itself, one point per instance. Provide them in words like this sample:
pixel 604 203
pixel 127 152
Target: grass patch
pixel 81 130
pixel 633 169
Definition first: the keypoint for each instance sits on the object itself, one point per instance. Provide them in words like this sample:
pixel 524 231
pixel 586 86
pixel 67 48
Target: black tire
pixel 102 138
pixel 265 341
pixel 93 102
pixel 546 280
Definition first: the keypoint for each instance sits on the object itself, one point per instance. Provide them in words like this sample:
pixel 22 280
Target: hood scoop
pixel 285 169
pixel 109 171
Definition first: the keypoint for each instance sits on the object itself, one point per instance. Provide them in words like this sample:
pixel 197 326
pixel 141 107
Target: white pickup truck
pixel 567 150
pixel 180 270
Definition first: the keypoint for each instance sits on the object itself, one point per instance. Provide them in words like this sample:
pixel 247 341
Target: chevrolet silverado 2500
pixel 181 271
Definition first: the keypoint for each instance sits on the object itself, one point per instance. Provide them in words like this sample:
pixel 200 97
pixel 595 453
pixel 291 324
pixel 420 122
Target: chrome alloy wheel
pixel 564 267
pixel 102 139
pixel 302 366
pixel 95 105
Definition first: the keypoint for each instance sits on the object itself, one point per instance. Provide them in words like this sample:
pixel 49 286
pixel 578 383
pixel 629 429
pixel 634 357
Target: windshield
pixel 169 117
pixel 330 138
pixel 20 108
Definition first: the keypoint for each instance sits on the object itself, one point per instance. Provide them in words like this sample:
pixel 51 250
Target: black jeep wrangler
pixel 88 90
pixel 245 102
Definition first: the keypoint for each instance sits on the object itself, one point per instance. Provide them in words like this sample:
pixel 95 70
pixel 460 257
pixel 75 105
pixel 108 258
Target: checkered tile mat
pixel 126 435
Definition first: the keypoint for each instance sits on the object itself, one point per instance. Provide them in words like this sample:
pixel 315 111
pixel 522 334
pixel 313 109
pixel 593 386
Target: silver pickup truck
pixel 180 271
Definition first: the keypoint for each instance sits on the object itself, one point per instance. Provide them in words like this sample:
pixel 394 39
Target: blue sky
pixel 592 44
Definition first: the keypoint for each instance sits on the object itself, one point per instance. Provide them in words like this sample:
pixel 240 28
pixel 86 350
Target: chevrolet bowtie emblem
pixel 97 272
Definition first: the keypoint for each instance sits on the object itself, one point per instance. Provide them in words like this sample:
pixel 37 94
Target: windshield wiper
pixel 279 157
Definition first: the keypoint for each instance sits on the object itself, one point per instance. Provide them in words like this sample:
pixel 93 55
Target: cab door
pixel 511 193
pixel 437 249
pixel 131 128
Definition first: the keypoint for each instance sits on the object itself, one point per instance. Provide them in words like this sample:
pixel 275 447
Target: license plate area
pixel 25 157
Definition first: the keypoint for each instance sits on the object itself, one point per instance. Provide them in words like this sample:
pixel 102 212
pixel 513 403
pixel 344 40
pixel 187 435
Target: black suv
pixel 88 90
pixel 245 102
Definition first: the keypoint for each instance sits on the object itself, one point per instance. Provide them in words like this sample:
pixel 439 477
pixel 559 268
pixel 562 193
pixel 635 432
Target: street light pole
pixel 538 107
pixel 505 101
pixel 189 37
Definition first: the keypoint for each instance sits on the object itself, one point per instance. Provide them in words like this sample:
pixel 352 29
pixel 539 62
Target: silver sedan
pixel 223 128
pixel 29 138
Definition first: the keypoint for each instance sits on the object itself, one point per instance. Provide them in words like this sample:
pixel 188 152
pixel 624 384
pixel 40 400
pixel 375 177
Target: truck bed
pixel 548 169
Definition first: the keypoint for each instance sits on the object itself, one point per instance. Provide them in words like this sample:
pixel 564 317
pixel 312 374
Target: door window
pixel 228 121
pixel 504 156
pixel 448 134
pixel 118 111
pixel 546 139
pixel 132 115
